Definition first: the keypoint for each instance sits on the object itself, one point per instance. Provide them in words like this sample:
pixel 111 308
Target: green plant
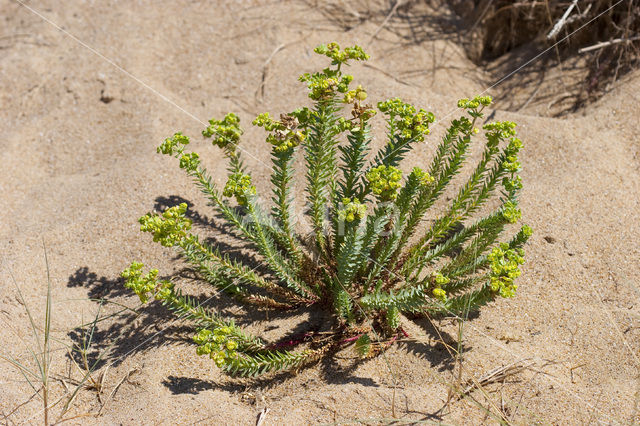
pixel 39 378
pixel 367 258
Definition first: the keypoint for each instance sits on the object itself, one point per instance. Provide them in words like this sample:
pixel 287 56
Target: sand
pixel 83 107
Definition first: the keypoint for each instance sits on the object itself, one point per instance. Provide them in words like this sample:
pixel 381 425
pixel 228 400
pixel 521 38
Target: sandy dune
pixel 83 107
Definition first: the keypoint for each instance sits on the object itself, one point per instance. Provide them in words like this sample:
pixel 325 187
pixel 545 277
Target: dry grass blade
pixel 115 389
pixel 42 355
pixel 260 90
pixel 262 416
pixel 22 404
pixel 496 375
pixel 87 381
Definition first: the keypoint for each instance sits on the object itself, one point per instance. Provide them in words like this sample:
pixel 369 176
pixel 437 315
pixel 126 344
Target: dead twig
pixel 574 368
pixel 496 375
pixel 386 20
pixel 558 26
pixel 582 15
pixel 6 416
pixel 608 43
pixel 262 416
pixel 115 389
pixel 367 65
pixel 260 89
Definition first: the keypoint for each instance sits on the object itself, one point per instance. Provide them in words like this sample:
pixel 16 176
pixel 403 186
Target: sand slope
pixel 79 167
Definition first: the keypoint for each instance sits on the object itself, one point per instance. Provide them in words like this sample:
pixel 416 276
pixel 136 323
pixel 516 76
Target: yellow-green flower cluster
pixel 302 114
pixel 515 144
pixel 512 164
pixel 424 178
pixel 384 182
pixel 440 294
pixel 512 185
pixel 218 344
pixel 511 212
pixel 505 269
pixel 343 124
pixel 283 140
pixel 224 132
pixel 190 161
pixel 499 130
pixel 353 210
pixel 169 229
pixel 323 85
pixel 285 134
pixel 239 186
pixel 144 285
pixel 439 280
pixel 332 50
pixel 475 102
pixel 409 124
pixel 359 94
pixel 503 129
pixel 264 120
pixel 174 144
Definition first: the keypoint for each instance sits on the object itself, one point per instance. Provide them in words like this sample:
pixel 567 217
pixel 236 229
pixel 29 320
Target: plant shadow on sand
pixel 130 331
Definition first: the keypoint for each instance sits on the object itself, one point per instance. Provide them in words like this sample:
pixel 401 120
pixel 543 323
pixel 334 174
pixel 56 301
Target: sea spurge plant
pixel 505 268
pixel 174 144
pixel 404 121
pixel 332 50
pixel 353 210
pixel 385 181
pixel 439 280
pixel 358 95
pixel 169 228
pixel 371 254
pixel 217 344
pixel 145 285
pixel 511 212
pixel 239 186
pixel 225 133
pixel 421 177
pixel 284 133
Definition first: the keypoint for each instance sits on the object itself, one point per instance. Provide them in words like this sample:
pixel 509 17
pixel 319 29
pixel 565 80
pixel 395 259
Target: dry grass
pixel 602 34
pixel 580 47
